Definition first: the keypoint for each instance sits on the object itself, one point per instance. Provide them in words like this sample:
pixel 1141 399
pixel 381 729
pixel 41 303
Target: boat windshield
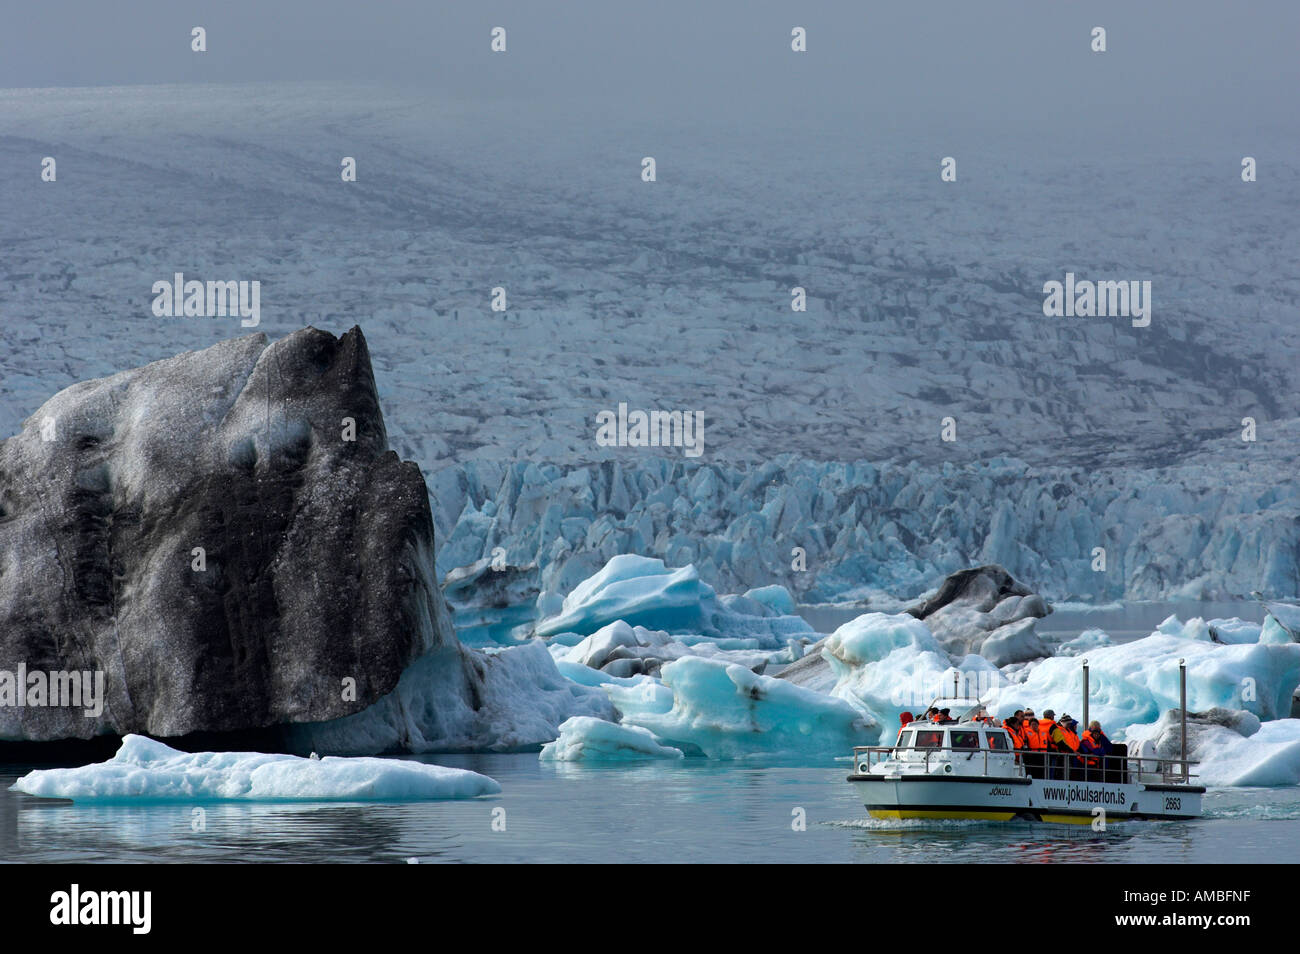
pixel 997 741
pixel 929 739
pixel 965 740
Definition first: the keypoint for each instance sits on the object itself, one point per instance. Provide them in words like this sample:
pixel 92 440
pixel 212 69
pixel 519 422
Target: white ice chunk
pixel 885 664
pixel 634 589
pixel 1086 641
pixel 643 592
pixel 1240 753
pixel 723 711
pixel 775 597
pixel 583 738
pixel 520 702
pixel 148 771
pixel 1135 682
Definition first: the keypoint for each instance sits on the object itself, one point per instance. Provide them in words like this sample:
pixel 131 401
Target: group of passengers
pixel 1048 747
pixel 1081 755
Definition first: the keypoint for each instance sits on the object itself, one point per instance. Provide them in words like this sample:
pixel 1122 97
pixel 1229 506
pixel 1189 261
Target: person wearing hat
pixel 1066 739
pixel 1047 728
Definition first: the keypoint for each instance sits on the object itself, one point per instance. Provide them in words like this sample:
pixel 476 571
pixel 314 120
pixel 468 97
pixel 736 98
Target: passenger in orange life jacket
pixel 1048 729
pixel 1012 725
pixel 1035 743
pixel 1093 743
pixel 1065 738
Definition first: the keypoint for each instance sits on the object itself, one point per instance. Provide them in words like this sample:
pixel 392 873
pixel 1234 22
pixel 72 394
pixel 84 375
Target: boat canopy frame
pixel 1122 767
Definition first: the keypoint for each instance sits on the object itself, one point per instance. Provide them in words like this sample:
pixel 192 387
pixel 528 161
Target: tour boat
pixel 968 768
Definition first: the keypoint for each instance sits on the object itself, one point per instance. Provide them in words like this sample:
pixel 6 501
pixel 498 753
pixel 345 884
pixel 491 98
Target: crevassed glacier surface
pixel 1214 529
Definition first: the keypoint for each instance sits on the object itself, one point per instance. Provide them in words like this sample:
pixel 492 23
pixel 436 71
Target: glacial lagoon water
pixel 691 811
pixel 648 812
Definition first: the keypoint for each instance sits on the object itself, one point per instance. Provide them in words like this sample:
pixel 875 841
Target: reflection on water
pixel 636 812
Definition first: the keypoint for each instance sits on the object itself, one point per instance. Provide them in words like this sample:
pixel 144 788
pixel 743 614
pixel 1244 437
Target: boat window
pixel 998 741
pixel 929 739
pixel 905 740
pixel 965 740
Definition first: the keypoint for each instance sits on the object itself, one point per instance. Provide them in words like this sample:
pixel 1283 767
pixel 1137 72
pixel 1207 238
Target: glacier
pixel 603 268
pixel 144 770
pixel 877 532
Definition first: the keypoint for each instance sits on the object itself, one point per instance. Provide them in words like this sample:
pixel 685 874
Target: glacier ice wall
pixel 1206 529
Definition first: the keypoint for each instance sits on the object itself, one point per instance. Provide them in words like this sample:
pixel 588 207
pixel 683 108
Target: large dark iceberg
pixel 314 590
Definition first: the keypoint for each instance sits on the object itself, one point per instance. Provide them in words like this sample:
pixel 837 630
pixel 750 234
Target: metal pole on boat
pixel 1085 695
pixel 1182 702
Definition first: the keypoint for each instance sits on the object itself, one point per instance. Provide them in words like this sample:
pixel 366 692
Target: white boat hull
pixel 1006 799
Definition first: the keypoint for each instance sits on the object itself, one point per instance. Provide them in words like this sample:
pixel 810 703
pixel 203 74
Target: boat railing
pixel 1036 763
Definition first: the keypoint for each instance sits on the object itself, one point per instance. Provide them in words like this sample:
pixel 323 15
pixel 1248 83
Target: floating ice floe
pixel 622 650
pixel 586 739
pixel 711 708
pixel 775 597
pixel 1136 682
pixel 1086 641
pixel 1234 631
pixel 1231 747
pixel 144 770
pixel 642 591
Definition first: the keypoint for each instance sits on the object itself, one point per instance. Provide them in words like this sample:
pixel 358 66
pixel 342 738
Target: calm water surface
pixel 693 811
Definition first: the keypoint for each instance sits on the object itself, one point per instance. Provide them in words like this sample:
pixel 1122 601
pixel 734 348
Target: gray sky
pixel 1229 64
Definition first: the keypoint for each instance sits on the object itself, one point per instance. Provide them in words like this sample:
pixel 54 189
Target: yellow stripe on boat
pixel 894 813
